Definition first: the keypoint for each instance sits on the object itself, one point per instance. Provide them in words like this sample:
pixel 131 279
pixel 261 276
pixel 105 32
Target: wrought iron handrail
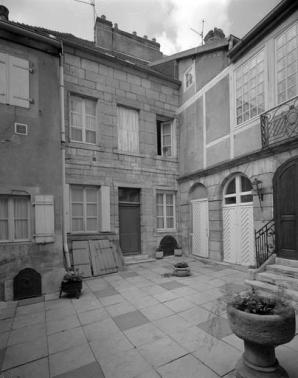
pixel 280 123
pixel 265 242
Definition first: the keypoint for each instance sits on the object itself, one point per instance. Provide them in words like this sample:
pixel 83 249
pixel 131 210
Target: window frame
pixel 11 219
pixel 84 216
pixel 263 82
pixel 189 71
pixel 84 129
pixel 295 24
pixel 238 194
pixel 164 214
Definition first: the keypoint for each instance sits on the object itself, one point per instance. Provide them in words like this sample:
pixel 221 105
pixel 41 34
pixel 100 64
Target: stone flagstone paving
pixel 137 323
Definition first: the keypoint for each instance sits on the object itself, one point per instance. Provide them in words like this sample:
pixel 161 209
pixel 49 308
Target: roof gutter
pixel 275 17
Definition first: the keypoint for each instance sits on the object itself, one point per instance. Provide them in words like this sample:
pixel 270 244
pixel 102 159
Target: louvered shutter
pixel 18 82
pixel 3 78
pixel 44 219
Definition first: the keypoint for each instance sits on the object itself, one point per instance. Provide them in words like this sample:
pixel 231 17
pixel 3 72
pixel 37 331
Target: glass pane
pixel 91 210
pixel 20 208
pixel 75 105
pixel 231 187
pixel 170 211
pixel 77 210
pixel 76 120
pixel 230 201
pixel 91 224
pixel 91 195
pixel 3 208
pixel 292 92
pixel 77 194
pixel 21 229
pixel 90 123
pixel 159 198
pixel 90 107
pixel 159 210
pixel 169 199
pixel 160 223
pixel 245 184
pixel 170 223
pixel 77 224
pixel 282 97
pixel 76 134
pixel 3 230
pixel 246 198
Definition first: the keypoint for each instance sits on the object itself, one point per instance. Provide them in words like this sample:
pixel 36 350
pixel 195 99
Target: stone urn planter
pixel 261 334
pixel 181 269
pixel 72 283
pixel 159 253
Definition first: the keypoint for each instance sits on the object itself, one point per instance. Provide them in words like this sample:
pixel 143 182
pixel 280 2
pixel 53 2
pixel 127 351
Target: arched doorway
pixel 238 230
pixel 200 220
pixel 285 192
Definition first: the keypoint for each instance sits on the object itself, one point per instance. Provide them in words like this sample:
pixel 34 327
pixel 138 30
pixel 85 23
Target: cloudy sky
pixel 169 21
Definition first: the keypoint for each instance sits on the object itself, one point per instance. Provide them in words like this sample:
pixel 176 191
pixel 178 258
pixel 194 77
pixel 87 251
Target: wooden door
pixel 285 188
pixel 200 222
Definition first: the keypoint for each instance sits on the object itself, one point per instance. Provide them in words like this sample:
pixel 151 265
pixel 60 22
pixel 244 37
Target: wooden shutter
pixel 66 207
pixel 104 209
pixel 44 219
pixel 3 78
pixel 18 82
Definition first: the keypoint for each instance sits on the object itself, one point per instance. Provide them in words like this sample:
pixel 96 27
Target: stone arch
pixel 168 243
pixel 198 191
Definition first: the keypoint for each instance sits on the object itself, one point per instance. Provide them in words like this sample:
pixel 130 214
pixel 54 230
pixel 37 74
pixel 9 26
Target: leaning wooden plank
pixel 95 259
pixel 81 257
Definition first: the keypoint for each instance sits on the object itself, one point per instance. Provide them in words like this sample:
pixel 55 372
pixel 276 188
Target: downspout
pixel 64 228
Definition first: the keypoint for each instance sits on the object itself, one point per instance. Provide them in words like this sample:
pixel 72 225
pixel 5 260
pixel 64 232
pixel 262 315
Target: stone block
pixel 8 290
pixel 72 60
pixel 89 65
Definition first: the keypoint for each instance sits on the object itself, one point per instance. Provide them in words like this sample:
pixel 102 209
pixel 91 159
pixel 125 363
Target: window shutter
pixel 104 208
pixel 44 219
pixel 174 138
pixel 18 82
pixel 67 215
pixel 3 79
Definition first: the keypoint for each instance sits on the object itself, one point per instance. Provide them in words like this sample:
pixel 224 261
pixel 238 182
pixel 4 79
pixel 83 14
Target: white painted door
pixel 238 229
pixel 200 222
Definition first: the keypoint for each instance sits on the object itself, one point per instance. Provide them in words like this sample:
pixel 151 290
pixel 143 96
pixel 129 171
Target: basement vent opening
pixel 21 129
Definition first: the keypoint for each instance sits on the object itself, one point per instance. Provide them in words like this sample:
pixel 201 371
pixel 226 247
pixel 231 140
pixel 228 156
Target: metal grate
pixel 265 242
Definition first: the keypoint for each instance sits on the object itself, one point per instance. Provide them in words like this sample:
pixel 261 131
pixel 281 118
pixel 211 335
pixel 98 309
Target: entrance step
pixel 271 289
pixel 278 280
pixel 286 262
pixel 283 270
pixel 137 259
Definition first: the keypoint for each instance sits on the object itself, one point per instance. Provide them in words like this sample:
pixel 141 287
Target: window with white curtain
pixel 128 129
pixel 14 218
pixel 82 120
pixel 165 210
pixel 287 64
pixel 84 208
pixel 165 138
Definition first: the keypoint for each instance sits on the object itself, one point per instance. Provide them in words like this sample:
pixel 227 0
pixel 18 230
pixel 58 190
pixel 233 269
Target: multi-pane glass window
pixel 14 218
pixel 82 120
pixel 189 78
pixel 165 210
pixel 164 138
pixel 128 129
pixel 250 89
pixel 84 209
pixel 287 61
pixel 238 191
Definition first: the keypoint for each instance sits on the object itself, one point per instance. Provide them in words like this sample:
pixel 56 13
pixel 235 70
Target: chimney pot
pixel 3 13
pixel 116 26
pixel 145 36
pixel 134 33
pixel 154 39
pixel 104 17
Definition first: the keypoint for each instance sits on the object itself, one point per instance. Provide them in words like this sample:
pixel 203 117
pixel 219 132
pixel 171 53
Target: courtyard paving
pixel 137 323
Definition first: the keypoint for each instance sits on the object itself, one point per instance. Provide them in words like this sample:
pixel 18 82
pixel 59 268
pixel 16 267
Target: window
pixel 238 191
pixel 165 210
pixel 14 81
pixel 166 138
pixel 189 78
pixel 287 61
pixel 84 209
pixel 14 218
pixel 250 89
pixel 82 120
pixel 128 129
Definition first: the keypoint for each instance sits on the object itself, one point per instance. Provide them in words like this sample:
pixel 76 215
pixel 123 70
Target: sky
pixel 175 24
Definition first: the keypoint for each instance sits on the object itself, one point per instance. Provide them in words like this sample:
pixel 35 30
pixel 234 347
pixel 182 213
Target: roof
pixel 68 38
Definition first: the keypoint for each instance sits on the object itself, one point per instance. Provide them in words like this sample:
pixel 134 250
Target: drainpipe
pixel 64 228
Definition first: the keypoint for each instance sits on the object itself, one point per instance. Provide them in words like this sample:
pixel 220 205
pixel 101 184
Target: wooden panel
pixel 230 234
pixel 129 221
pixel 3 78
pixel 105 221
pixel 44 219
pixel 81 257
pixel 200 228
pixel 19 82
pixel 102 257
pixel 246 235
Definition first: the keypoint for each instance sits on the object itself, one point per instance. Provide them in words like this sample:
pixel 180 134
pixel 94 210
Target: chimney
pixel 214 36
pixel 3 13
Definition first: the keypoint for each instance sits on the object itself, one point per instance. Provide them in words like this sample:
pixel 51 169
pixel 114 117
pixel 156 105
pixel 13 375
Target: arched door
pixel 285 190
pixel 238 231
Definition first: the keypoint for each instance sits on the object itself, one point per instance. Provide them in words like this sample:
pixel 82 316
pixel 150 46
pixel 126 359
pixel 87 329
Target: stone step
pixel 278 280
pixel 271 289
pixel 283 270
pixel 286 262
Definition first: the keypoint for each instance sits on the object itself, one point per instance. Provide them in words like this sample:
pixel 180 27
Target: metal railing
pixel 280 123
pixel 265 242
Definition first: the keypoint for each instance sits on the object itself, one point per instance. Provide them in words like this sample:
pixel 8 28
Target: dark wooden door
pixel 286 210
pixel 129 225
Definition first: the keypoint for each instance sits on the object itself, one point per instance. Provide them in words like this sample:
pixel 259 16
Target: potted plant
pixel 178 250
pixel 72 282
pixel 263 322
pixel 181 269
pixel 159 253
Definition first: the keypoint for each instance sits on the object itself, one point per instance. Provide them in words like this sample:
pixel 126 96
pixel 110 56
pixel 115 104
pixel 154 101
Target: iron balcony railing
pixel 280 123
pixel 265 242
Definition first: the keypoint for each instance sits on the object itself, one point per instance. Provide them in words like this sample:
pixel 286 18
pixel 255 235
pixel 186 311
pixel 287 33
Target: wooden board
pixel 81 257
pixel 102 257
